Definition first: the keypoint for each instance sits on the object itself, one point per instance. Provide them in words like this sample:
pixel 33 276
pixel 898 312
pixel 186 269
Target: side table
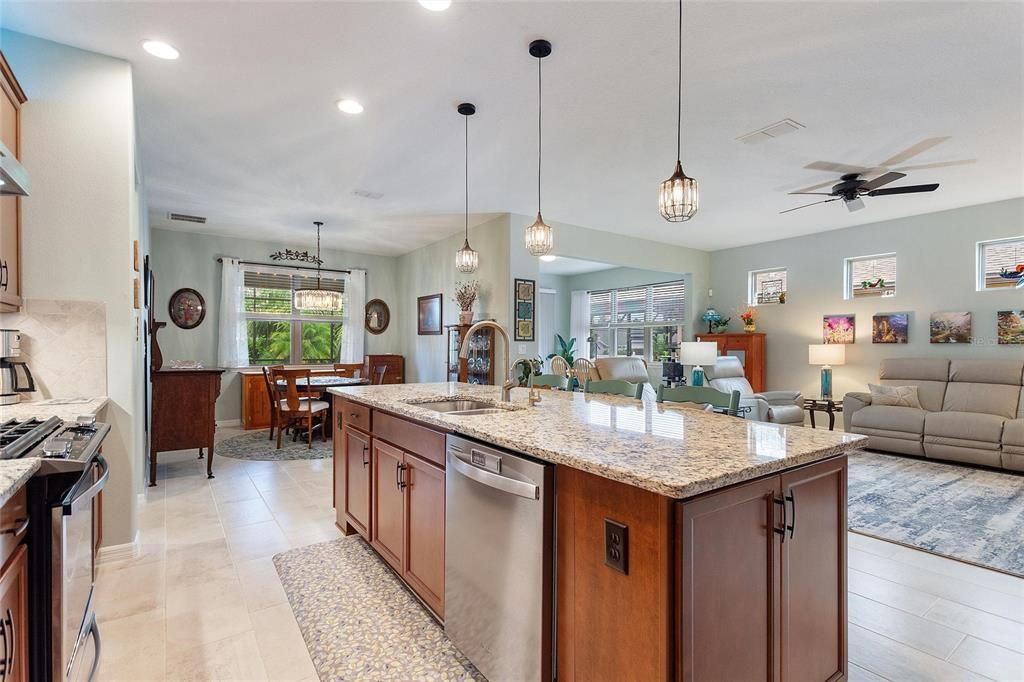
pixel 829 407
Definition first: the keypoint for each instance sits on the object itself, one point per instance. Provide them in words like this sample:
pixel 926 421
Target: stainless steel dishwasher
pixel 498 560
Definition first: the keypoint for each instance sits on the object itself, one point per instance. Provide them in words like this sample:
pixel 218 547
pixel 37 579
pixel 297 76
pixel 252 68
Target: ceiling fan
pixel 852 187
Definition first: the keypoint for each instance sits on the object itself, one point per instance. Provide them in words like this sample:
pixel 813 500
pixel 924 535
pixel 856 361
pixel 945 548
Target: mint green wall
pixel 186 259
pixel 935 271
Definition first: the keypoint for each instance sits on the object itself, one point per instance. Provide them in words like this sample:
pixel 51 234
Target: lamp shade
pixel 826 354
pixel 698 352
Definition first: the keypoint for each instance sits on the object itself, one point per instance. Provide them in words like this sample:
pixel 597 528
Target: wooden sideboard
pixel 184 403
pixel 749 348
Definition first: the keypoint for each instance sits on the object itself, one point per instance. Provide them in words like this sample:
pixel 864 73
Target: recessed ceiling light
pixel 160 49
pixel 436 5
pixel 350 106
pixel 548 258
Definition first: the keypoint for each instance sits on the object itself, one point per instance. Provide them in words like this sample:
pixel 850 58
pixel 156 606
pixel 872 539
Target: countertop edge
pixel 14 474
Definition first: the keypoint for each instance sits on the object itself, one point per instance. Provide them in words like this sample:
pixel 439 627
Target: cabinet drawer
pixel 12 517
pixel 426 443
pixel 355 415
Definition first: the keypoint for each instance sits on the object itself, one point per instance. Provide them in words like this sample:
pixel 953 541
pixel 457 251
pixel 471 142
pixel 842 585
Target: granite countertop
pixel 675 451
pixel 14 473
pixel 65 408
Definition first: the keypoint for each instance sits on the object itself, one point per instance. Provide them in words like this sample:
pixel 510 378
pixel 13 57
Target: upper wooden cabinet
pixel 749 348
pixel 10 206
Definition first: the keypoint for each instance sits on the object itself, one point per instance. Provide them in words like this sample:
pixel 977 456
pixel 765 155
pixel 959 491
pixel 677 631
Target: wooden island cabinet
pixel 746 582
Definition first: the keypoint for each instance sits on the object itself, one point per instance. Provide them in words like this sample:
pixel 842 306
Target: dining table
pixel 322 383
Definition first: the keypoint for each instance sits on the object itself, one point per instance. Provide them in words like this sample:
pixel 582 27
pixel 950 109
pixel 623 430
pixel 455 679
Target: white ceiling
pixel 243 128
pixel 572 266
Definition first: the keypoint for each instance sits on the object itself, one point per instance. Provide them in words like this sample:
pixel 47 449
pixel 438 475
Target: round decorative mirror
pixel 187 308
pixel 378 316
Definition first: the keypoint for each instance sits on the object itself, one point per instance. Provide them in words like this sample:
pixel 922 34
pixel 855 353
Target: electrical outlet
pixel 616 546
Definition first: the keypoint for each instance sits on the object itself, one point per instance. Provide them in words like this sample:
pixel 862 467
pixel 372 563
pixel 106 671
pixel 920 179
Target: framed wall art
pixel 838 329
pixel 1010 327
pixel 428 315
pixel 950 328
pixel 525 295
pixel 890 328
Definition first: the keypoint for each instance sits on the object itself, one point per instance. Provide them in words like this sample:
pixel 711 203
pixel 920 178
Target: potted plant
pixel 748 316
pixel 566 350
pixel 528 367
pixel 465 295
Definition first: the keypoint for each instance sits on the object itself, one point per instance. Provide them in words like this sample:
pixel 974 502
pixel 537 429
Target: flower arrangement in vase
pixel 748 316
pixel 465 295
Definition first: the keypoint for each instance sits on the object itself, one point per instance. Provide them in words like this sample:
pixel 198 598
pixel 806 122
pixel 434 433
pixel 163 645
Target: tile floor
pixel 203 601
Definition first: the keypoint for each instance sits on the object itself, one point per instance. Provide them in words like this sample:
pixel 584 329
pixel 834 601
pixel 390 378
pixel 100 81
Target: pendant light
pixel 539 236
pixel 679 196
pixel 466 259
pixel 317 300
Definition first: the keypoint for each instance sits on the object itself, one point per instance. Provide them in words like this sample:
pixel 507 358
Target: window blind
pixel 271 293
pixel 663 303
pixel 600 308
pixel 871 270
pixel 668 302
pixel 631 305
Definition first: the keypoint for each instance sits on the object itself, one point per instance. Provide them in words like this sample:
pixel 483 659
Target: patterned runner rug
pixel 256 445
pixel 974 515
pixel 360 622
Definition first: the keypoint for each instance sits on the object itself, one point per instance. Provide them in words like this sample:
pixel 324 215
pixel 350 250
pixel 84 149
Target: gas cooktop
pixel 51 438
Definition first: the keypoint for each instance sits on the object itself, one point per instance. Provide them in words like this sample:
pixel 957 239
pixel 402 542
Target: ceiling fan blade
pixel 883 179
pixel 804 190
pixel 940 164
pixel 831 167
pixel 854 204
pixel 806 205
pixel 909 189
pixel 817 194
pixel 914 150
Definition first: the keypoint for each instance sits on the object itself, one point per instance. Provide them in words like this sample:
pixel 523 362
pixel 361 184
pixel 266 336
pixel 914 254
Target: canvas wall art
pixel 525 293
pixel 838 329
pixel 890 328
pixel 1010 327
pixel 950 328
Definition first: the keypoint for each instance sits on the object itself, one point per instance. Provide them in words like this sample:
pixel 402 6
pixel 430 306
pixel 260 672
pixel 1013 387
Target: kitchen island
pixel 735 566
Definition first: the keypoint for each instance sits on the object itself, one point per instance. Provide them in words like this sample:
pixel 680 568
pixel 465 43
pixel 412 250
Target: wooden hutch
pixel 749 347
pixel 478 368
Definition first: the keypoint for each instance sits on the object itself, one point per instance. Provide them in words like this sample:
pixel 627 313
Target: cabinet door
pixel 10 293
pixel 387 521
pixel 728 596
pixel 424 524
pixel 255 402
pixel 814 573
pixel 14 615
pixel 357 479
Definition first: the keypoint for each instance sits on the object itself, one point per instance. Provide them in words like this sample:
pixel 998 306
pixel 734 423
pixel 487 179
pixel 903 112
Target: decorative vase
pixel 750 327
pixel 466 317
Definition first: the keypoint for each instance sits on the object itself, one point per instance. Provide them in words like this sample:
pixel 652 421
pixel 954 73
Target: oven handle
pixel 95 630
pixel 76 498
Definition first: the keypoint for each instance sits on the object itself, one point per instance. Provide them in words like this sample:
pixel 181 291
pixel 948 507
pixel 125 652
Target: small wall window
pixel 767 286
pixel 868 276
pixel 1001 263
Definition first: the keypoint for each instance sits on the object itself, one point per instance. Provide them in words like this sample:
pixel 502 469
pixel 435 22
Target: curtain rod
pixel 292 267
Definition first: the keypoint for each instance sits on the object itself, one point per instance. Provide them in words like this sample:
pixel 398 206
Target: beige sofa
pixel 971 411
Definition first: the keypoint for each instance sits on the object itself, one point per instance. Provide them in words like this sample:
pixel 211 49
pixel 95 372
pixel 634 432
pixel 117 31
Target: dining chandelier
pixel 466 259
pixel 679 197
pixel 539 236
pixel 317 300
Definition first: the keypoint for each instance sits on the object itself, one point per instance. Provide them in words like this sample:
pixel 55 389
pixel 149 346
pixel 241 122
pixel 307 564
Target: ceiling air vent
pixel 771 131
pixel 185 218
pixel 366 194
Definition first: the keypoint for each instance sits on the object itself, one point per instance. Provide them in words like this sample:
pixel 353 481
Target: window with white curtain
pixel 646 320
pixel 1000 262
pixel 868 276
pixel 279 333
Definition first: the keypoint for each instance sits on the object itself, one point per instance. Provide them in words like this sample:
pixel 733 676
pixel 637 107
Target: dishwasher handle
pixel 527 489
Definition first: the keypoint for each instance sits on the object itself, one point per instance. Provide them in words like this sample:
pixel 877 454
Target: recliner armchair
pixel 778 407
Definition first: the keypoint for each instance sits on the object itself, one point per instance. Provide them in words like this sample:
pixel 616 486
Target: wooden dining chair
pixel 559 366
pixel 273 396
pixel 614 387
pixel 295 411
pixel 353 370
pixel 378 374
pixel 585 371
pixel 702 395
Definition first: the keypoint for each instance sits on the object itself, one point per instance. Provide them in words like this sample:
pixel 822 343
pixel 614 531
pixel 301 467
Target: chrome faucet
pixel 507 387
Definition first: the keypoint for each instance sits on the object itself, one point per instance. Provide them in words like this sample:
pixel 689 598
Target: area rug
pixel 256 445
pixel 360 622
pixel 969 514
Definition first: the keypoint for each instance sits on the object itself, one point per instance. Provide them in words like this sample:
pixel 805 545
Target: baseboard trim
pixel 229 422
pixel 109 553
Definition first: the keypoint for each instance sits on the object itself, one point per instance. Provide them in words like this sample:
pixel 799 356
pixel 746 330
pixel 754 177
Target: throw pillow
pixel 899 396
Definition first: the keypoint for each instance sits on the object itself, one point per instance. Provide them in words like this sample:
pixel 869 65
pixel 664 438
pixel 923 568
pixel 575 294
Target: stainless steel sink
pixel 460 408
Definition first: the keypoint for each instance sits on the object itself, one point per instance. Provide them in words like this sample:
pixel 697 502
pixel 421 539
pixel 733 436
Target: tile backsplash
pixel 65 346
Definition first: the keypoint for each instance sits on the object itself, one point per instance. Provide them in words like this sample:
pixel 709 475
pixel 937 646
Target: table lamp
pixel 826 355
pixel 697 353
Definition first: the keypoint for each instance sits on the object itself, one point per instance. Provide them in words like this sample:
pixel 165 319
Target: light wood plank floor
pixel 203 601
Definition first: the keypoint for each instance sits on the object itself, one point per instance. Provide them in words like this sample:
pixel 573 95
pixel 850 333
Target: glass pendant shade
pixel 317 300
pixel 466 259
pixel 679 197
pixel 540 238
